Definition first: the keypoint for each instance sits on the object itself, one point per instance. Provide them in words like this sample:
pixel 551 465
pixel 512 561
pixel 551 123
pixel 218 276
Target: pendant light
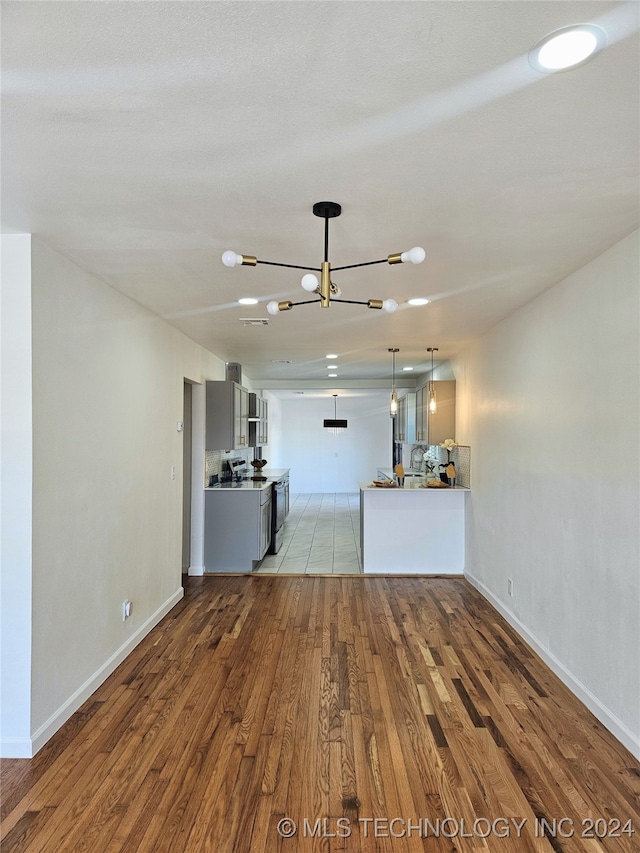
pixel 335 425
pixel 393 406
pixel 433 405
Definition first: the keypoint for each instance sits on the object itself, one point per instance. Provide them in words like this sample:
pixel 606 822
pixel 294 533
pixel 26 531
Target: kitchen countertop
pixel 275 473
pixel 408 472
pixel 410 484
pixel 272 474
pixel 241 485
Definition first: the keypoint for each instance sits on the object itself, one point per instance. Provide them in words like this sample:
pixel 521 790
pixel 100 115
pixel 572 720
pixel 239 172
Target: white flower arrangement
pixel 449 444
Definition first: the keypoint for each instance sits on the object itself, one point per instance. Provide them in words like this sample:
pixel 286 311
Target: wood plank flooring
pixel 354 713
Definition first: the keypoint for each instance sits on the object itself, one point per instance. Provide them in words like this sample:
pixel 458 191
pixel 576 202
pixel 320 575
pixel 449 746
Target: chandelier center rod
pixel 326 210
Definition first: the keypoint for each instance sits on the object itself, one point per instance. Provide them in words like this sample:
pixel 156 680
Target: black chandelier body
pixel 327 291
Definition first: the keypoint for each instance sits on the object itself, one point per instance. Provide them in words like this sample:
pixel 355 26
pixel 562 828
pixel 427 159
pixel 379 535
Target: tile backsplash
pixel 460 456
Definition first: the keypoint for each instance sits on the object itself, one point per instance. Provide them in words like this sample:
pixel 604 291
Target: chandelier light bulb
pixel 309 282
pixel 230 258
pixel 389 305
pixel 272 307
pixel 413 256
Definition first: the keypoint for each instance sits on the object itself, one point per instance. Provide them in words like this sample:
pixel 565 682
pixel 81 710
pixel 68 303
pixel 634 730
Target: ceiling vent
pixel 233 372
pixel 254 321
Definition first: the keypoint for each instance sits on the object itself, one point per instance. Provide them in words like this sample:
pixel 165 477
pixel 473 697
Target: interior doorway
pixel 187 442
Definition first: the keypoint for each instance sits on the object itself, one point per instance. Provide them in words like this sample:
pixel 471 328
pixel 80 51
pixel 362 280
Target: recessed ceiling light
pixel 418 300
pixel 331 355
pixel 567 48
pixel 332 366
pixel 248 300
pixel 332 375
pixel 407 368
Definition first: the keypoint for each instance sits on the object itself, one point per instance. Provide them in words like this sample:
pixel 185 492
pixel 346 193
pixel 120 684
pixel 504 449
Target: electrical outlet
pixel 509 586
pixel 127 608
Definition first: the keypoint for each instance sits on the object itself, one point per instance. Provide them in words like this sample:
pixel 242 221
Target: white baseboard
pixel 195 571
pixel 617 728
pixel 15 747
pixel 48 729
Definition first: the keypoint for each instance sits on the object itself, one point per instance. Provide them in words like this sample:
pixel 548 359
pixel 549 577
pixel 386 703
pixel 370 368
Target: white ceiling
pixel 141 139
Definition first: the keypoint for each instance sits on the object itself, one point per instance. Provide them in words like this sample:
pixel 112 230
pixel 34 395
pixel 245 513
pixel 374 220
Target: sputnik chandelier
pixel 327 291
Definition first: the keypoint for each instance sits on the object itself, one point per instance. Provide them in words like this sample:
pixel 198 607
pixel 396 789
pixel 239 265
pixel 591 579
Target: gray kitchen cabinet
pixel 405 419
pixel 237 528
pixel 422 401
pixel 226 416
pixel 433 429
pixel 258 421
pixel 401 420
pixel 442 424
pixel 264 533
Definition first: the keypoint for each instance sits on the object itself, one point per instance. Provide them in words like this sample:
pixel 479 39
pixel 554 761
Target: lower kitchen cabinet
pixel 237 528
pixel 264 534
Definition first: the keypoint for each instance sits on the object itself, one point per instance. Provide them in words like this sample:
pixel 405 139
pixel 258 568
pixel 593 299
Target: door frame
pixel 196 550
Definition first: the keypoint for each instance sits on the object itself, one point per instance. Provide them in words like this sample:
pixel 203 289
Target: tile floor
pixel 321 536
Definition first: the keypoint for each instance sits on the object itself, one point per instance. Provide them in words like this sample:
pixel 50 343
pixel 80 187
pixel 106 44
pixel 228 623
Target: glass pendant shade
pixel 393 405
pixel 433 405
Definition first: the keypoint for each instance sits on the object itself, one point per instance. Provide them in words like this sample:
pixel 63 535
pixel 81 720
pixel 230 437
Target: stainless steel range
pixel 279 503
pixel 234 469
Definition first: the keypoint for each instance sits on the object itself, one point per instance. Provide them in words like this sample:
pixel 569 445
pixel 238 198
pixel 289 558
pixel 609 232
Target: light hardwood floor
pixel 337 701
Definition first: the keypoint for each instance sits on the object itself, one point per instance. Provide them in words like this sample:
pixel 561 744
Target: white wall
pixel 107 393
pixel 273 451
pixel 15 495
pixel 549 402
pixel 323 462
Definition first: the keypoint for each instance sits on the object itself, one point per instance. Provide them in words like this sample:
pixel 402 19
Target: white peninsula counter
pixel 412 530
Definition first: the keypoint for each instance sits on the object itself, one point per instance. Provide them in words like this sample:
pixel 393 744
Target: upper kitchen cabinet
pixel 258 421
pixel 434 428
pixel 406 419
pixel 422 401
pixel 227 416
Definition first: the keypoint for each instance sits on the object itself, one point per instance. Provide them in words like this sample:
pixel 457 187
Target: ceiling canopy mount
pixel 327 209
